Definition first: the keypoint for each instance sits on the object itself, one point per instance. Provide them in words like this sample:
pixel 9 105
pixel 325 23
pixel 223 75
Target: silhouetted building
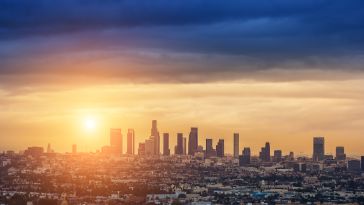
pixel 362 163
pixel 264 154
pixel 34 151
pixel 155 134
pixel 184 146
pixel 291 156
pixel 74 149
pixel 179 147
pixel 131 142
pixel 193 141
pixel 277 157
pixel 210 152
pixel 49 149
pixel 166 151
pixel 244 159
pixel 150 146
pixel 116 141
pixel 318 148
pixel 220 148
pixel 236 145
pixel 141 149
pixel 340 153
pixel 354 165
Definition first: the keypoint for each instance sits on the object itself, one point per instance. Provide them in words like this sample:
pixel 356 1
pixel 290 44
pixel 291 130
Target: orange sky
pixel 287 114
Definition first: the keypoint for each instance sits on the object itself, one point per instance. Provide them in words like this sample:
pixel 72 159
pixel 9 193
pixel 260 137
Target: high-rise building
pixel 179 147
pixel 318 148
pixel 340 153
pixel 150 146
pixel 116 141
pixel 49 149
pixel 141 149
pixel 236 145
pixel 131 142
pixel 264 154
pixel 155 134
pixel 193 141
pixel 244 159
pixel 362 163
pixel 277 157
pixel 166 151
pixel 267 151
pixel 74 149
pixel 291 156
pixel 184 146
pixel 209 148
pixel 220 148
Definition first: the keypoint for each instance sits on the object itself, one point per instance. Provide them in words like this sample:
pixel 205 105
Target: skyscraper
pixel 116 141
pixel 318 148
pixel 179 147
pixel 155 134
pixel 220 148
pixel 277 157
pixel 244 159
pixel 193 141
pixel 166 151
pixel 267 151
pixel 131 142
pixel 340 153
pixel 141 149
pixel 49 149
pixel 184 146
pixel 362 163
pixel 150 146
pixel 209 148
pixel 264 154
pixel 236 145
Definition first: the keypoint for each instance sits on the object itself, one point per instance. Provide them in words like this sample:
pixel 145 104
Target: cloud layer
pixel 186 41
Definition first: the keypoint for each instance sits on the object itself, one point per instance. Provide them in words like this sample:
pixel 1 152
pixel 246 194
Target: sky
pixel 281 71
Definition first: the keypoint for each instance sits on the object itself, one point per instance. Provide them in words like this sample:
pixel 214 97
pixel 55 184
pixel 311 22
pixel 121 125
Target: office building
pixel 220 148
pixel 141 149
pixel 236 145
pixel 244 159
pixel 193 141
pixel 362 163
pixel 150 146
pixel 179 147
pixel 116 141
pixel 131 142
pixel 340 154
pixel 264 154
pixel 155 134
pixel 166 151
pixel 209 149
pixel 277 157
pixel 184 146
pixel 318 148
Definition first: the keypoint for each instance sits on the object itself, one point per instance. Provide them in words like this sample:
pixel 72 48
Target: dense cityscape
pixel 192 175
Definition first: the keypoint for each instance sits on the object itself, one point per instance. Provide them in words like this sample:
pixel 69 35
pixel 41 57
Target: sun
pixel 90 123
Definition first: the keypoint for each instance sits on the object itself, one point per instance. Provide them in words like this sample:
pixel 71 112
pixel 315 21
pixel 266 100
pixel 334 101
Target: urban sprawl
pixel 192 175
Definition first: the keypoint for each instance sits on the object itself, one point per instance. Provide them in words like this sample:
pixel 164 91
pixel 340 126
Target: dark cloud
pixel 186 40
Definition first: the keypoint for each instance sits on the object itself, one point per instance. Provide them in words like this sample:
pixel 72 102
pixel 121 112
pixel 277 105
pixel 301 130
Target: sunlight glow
pixel 90 123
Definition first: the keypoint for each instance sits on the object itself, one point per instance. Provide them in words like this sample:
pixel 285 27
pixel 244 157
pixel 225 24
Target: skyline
pixel 278 71
pixel 125 144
